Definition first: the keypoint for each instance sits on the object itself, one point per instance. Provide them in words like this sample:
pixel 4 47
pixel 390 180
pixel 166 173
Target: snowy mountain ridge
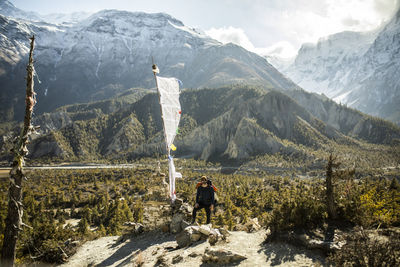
pixel 111 51
pixel 357 69
pixel 9 10
pixel 324 67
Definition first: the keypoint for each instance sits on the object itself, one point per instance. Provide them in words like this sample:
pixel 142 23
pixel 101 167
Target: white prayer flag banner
pixel 168 89
pixel 172 176
pixel 170 107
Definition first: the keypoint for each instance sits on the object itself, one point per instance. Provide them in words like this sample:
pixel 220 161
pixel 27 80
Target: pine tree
pixel 101 231
pixel 138 211
pixel 83 226
pixel 229 219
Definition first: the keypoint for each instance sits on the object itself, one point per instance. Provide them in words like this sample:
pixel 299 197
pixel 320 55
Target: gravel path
pixel 108 251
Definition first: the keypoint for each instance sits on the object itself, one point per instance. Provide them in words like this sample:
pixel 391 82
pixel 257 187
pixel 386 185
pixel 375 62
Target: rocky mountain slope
pixel 111 51
pixel 228 123
pixel 356 69
pixel 94 61
pixel 375 85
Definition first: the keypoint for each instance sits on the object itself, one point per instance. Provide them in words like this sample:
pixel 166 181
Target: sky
pixel 267 27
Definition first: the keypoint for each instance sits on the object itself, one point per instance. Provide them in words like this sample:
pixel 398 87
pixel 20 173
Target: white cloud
pixel 282 49
pixel 308 25
pixel 385 7
pixel 231 35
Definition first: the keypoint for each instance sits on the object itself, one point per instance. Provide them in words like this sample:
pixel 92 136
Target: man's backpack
pixel 199 184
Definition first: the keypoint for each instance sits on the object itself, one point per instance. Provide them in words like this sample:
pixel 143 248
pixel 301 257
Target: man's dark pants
pixel 202 206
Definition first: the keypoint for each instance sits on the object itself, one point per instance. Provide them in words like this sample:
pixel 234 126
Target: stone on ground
pixel 221 256
pixel 193 234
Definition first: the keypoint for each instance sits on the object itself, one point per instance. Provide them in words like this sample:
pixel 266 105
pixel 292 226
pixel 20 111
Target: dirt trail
pixel 107 251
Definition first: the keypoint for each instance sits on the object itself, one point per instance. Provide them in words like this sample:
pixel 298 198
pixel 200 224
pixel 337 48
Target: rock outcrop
pixel 251 226
pixel 195 233
pixel 181 214
pixel 221 256
pixel 311 241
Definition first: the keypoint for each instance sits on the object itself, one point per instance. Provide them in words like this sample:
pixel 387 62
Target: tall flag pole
pixel 168 96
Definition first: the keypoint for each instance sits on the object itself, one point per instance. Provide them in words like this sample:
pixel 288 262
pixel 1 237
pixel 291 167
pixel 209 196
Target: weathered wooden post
pixel 15 209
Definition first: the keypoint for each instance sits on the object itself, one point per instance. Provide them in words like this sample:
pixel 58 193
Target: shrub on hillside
pixel 301 207
pixel 369 249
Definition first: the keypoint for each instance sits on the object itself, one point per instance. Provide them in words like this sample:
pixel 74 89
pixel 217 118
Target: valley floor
pixel 148 247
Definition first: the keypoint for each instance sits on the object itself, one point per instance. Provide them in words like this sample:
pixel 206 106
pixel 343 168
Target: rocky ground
pixel 161 249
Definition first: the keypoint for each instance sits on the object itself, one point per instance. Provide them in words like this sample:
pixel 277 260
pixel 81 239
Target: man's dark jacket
pixel 205 195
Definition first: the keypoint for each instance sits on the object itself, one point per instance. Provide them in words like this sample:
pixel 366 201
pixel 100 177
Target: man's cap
pixel 203 178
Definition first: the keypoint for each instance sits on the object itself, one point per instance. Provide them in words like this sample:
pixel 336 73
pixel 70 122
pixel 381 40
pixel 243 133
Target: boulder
pixel 139 228
pixel 185 238
pixel 175 226
pixel 221 256
pixel 176 205
pixel 75 243
pixel 184 224
pixel 156 250
pixel 135 228
pixel 252 225
pixel 177 259
pixel 215 236
pixel 205 230
pixel 312 242
pixel 193 234
pixel 213 239
pixel 194 254
pixel 240 227
pixel 225 233
pixel 186 209
pixel 162 260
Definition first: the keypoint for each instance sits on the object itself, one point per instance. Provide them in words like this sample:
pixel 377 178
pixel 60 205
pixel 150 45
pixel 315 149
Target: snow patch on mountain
pixel 325 67
pixel 114 49
pixel 9 10
pixel 66 19
pixel 354 68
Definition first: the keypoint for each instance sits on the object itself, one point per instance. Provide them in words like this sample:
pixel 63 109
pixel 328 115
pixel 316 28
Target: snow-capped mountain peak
pixel 65 19
pixel 134 24
pixel 6 5
pixel 357 69
pixel 9 10
pixel 112 50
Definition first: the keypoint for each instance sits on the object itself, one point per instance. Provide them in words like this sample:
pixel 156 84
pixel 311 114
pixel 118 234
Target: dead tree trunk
pixel 15 209
pixel 330 198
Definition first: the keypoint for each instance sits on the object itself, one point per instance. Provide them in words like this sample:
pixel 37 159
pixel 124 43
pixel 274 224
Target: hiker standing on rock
pixel 204 199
